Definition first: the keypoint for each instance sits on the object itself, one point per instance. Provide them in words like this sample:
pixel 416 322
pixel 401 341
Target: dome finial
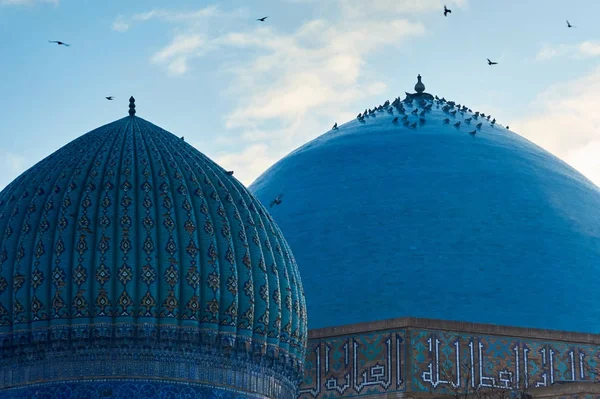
pixel 131 106
pixel 419 87
pixel 419 92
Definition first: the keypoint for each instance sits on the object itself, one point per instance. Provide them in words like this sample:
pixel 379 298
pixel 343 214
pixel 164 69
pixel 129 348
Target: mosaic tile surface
pixel 443 359
pixel 375 363
pixel 122 390
pixel 129 242
pixel 352 366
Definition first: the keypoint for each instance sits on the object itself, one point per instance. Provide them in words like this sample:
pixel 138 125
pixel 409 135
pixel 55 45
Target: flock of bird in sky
pixel 263 19
pixel 277 200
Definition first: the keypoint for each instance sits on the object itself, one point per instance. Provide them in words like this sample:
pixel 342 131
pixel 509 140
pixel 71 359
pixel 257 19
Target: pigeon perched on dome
pixel 429 207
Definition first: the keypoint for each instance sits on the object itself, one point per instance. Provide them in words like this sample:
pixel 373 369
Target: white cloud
pixel 183 47
pixel 26 2
pixel 584 49
pixel 177 16
pixel 565 121
pixel 314 71
pixel 177 54
pixel 551 51
pixel 305 81
pixel 250 162
pixel 122 23
pixel 295 85
pixel 262 148
pixel 589 48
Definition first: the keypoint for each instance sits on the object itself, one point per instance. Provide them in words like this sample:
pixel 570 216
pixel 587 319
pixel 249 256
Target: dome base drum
pixel 117 388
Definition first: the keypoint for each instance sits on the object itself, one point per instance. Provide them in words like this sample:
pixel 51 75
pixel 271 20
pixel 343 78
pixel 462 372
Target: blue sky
pixel 246 93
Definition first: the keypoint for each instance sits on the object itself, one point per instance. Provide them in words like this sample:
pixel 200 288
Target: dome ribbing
pixel 129 246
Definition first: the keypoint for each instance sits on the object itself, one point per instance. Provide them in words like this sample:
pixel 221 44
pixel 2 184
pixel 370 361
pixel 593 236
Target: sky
pixel 246 93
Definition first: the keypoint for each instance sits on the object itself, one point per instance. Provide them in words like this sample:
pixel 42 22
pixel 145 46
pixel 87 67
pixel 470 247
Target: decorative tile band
pixel 351 366
pixel 451 360
pixel 123 389
pixel 148 363
pixel 373 363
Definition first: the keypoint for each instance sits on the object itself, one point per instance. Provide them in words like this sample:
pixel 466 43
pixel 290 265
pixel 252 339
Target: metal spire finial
pixel 420 92
pixel 131 106
pixel 419 87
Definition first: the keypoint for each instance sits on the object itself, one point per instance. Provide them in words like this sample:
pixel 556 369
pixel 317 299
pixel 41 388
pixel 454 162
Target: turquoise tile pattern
pixel 440 362
pixel 446 359
pixel 128 241
pixel 355 366
pixel 123 390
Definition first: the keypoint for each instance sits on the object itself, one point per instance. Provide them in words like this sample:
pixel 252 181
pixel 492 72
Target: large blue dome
pixel 129 253
pixel 389 219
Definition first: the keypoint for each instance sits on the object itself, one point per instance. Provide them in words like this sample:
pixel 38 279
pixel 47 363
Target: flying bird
pixel 59 43
pixel 262 19
pixel 277 200
pixel 446 11
pixel 109 98
pixel 491 62
pixel 569 25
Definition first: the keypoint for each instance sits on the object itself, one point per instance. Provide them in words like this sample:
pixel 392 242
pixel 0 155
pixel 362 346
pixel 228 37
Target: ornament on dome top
pixel 131 106
pixel 419 87
pixel 420 91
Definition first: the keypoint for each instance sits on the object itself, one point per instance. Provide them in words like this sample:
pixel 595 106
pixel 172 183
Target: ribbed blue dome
pixel 389 220
pixel 128 239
